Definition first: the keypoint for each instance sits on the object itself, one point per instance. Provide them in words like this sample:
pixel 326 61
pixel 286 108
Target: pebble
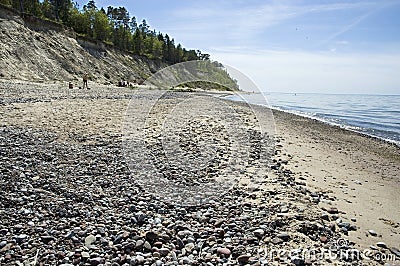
pixel 21 238
pixel 96 261
pixel 163 251
pixel 89 240
pixel 332 210
pixel 381 244
pixel 259 233
pixel 87 209
pixel 3 243
pixel 276 241
pixel 189 247
pixel 139 244
pixel 243 258
pixel 85 254
pixel 372 232
pixel 224 251
pixel 140 259
pixel 147 245
pixel 284 236
pixel 151 236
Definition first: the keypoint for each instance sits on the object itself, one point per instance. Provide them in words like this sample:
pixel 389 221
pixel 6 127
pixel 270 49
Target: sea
pixel 373 115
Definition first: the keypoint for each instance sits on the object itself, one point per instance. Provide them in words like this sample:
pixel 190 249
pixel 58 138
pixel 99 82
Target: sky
pixel 288 46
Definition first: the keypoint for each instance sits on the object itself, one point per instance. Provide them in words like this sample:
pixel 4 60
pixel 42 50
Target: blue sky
pixel 288 46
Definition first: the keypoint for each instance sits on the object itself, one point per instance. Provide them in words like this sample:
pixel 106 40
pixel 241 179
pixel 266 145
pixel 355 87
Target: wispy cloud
pixel 356 21
pixel 235 23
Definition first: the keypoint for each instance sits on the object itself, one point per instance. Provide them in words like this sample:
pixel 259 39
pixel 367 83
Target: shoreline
pixel 293 112
pixel 343 163
pixel 322 179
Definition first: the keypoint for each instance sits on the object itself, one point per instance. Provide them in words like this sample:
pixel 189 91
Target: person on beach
pixel 85 81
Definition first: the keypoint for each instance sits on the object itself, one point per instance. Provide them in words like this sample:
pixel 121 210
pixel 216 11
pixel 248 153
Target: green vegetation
pixel 113 26
pixel 116 27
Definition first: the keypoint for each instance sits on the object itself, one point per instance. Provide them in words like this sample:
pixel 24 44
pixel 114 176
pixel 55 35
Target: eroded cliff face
pixel 40 50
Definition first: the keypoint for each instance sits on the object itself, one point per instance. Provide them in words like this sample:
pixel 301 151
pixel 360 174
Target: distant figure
pixel 85 81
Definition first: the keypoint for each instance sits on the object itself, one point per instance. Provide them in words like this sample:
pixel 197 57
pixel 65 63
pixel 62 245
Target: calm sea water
pixel 375 115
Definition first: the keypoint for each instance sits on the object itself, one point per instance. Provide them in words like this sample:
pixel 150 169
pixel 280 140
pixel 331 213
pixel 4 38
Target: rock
pixel 381 245
pixel 323 239
pixel 352 227
pixel 283 236
pixel 344 224
pixel 151 236
pixel 21 238
pixel 89 240
pixel 189 247
pixel 139 259
pixel 85 255
pixel 180 243
pixel 156 254
pixel 147 245
pixel 224 251
pixel 332 210
pixel 96 261
pixel 284 209
pixel 47 239
pixel 243 258
pixel 2 244
pixel 298 261
pixel 259 233
pixel 139 244
pixel 219 222
pixel 325 217
pixel 157 244
pixel 372 233
pixel 163 251
pixel 276 241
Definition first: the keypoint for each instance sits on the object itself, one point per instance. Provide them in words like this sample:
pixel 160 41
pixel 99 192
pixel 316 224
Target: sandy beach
pixel 70 196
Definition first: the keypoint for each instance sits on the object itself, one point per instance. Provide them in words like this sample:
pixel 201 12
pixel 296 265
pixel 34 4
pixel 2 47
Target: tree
pixel 144 28
pixel 133 24
pixel 114 25
pixel 6 2
pixel 61 9
pixel 138 42
pixel 102 28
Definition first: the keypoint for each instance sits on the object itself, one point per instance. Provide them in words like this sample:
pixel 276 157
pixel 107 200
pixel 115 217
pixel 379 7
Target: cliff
pixel 41 50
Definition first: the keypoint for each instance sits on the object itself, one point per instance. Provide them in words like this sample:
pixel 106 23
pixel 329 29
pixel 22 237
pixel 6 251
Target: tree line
pixel 113 26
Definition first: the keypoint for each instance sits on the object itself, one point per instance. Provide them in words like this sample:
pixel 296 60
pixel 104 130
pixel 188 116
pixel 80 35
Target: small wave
pixel 365 120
